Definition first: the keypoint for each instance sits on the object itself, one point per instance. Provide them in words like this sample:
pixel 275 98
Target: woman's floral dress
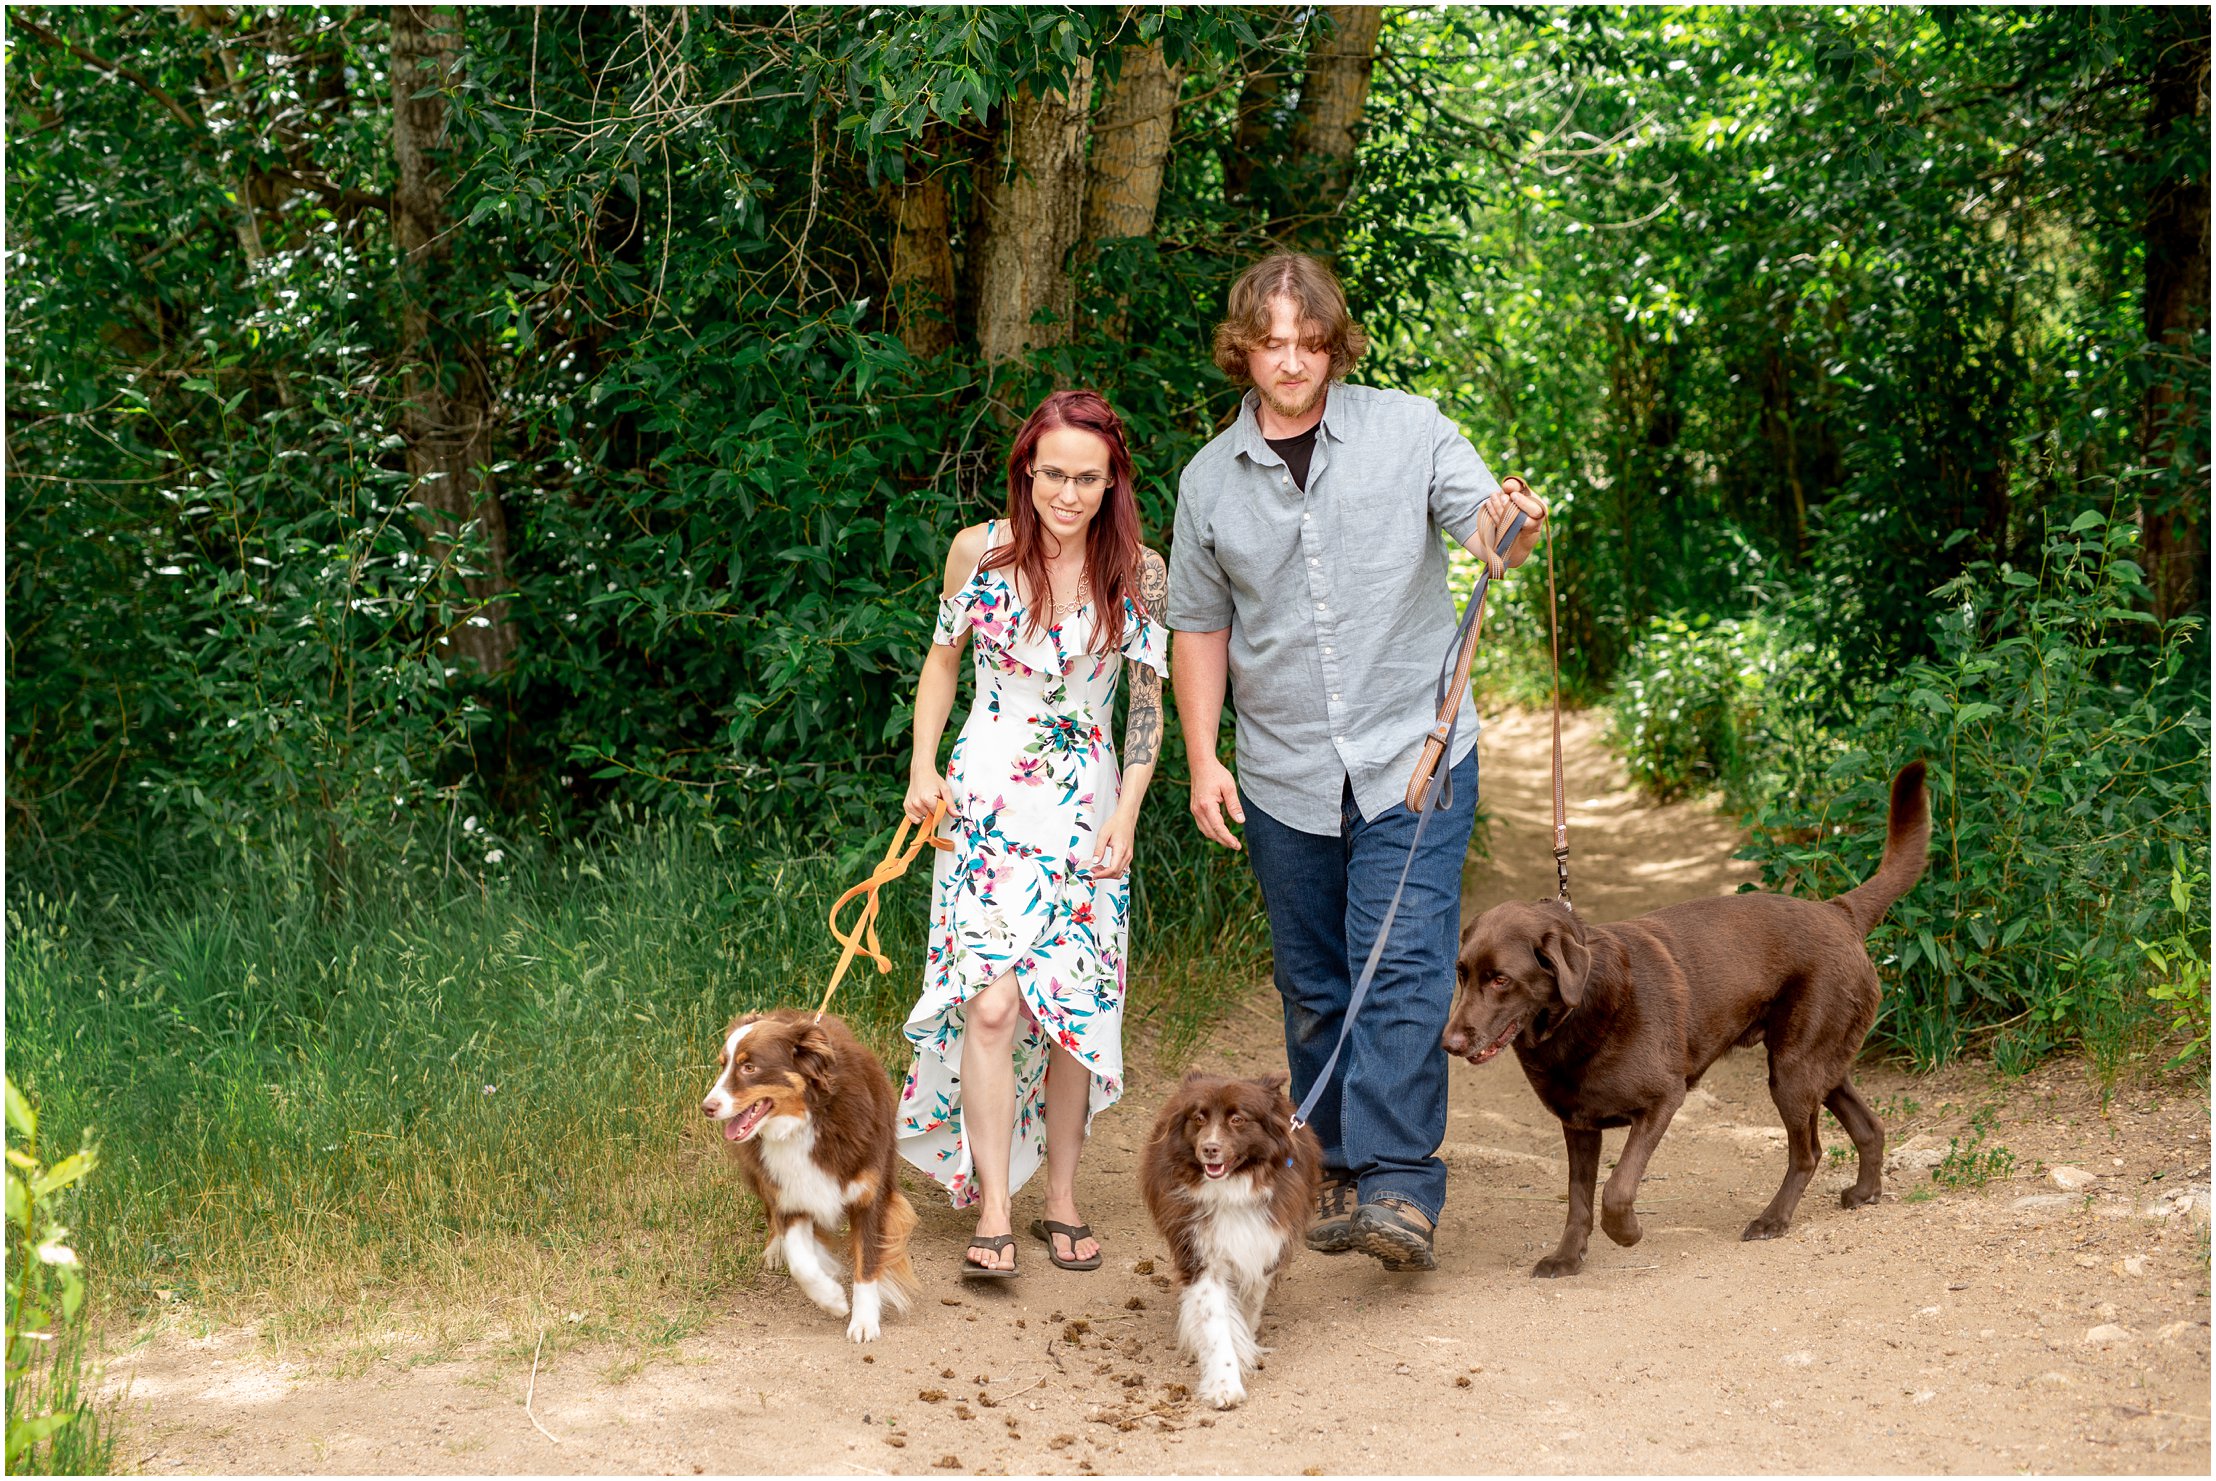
pixel 1033 780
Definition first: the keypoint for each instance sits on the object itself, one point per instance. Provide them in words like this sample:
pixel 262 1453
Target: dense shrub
pixel 2067 738
pixel 1727 703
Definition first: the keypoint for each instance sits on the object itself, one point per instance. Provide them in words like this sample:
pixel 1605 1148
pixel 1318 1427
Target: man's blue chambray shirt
pixel 1336 595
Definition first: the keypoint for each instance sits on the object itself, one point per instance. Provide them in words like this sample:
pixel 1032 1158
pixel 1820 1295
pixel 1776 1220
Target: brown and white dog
pixel 809 1112
pixel 1229 1183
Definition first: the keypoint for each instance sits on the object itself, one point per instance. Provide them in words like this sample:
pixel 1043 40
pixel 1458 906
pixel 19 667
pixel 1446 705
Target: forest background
pixel 477 480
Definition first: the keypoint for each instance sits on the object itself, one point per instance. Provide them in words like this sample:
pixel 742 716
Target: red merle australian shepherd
pixel 809 1112
pixel 1229 1183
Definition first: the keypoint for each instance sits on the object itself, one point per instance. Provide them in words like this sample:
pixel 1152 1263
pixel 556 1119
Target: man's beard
pixel 1290 410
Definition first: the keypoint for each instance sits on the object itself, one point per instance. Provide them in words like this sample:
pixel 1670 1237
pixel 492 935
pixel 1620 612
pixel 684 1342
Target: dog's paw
pixel 1221 1393
pixel 1621 1227
pixel 863 1328
pixel 1856 1198
pixel 1557 1265
pixel 831 1298
pixel 1765 1228
pixel 773 1254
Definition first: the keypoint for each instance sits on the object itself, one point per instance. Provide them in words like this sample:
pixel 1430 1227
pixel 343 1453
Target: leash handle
pixel 863 938
pixel 1424 798
pixel 1439 744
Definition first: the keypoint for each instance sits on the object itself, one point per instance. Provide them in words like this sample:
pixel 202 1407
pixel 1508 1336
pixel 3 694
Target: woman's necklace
pixel 1083 594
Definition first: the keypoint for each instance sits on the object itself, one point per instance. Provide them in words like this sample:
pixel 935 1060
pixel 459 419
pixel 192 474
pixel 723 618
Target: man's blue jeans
pixel 1384 1114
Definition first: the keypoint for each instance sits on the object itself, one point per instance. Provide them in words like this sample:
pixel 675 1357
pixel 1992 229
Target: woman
pixel 1019 1032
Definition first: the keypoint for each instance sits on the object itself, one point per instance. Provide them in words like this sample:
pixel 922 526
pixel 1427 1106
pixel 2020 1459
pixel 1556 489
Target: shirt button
pixel 1320 607
pixel 1334 699
pixel 1314 562
pixel 1304 518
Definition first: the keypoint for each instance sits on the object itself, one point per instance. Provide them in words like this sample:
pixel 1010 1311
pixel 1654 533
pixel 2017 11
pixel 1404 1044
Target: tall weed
pixel 53 1428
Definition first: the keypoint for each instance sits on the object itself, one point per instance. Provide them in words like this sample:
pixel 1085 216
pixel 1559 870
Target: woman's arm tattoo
pixel 1142 732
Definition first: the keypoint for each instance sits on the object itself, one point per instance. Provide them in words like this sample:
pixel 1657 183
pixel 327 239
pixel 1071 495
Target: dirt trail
pixel 1944 1329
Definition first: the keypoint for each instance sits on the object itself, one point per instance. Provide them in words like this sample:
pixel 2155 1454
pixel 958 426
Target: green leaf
pixel 20 1115
pixel 64 1172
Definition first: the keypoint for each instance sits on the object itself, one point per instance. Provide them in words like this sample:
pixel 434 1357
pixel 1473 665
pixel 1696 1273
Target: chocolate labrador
pixel 1613 1024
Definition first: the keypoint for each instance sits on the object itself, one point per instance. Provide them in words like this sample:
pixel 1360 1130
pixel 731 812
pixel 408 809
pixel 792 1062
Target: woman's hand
pixel 1113 861
pixel 926 790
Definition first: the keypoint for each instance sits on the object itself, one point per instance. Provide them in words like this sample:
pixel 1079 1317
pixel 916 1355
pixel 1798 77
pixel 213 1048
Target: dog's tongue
pixel 737 1128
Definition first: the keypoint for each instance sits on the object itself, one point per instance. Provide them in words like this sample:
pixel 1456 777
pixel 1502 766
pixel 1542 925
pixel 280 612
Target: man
pixel 1307 571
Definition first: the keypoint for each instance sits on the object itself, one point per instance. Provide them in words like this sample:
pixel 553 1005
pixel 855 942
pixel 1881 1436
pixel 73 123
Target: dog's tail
pixel 1907 845
pixel 896 1274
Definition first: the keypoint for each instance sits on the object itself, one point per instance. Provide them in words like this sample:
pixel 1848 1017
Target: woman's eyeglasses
pixel 1084 483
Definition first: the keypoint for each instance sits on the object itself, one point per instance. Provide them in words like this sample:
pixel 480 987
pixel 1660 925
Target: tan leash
pixel 1428 792
pixel 863 938
pixel 1435 745
pixel 1561 804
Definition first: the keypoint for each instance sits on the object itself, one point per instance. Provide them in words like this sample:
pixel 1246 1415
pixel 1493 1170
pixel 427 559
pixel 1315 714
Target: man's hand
pixel 1216 792
pixel 1493 519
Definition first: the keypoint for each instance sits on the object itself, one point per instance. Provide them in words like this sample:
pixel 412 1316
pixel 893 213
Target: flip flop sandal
pixel 1399 1242
pixel 1046 1229
pixel 971 1270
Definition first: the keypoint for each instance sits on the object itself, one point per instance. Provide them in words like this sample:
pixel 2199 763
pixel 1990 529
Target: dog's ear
pixel 813 1055
pixel 1275 1080
pixel 1562 951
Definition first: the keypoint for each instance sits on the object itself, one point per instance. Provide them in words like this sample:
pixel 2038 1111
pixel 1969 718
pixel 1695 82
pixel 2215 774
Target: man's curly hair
pixel 1313 290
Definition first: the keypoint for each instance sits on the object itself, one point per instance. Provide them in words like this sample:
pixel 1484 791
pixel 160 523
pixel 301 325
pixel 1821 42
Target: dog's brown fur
pixel 1613 1024
pixel 820 1074
pixel 1229 1233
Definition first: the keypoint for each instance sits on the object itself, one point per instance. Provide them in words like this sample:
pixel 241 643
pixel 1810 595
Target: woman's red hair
pixel 1112 542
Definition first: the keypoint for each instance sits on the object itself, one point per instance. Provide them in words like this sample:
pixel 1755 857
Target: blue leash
pixel 1437 794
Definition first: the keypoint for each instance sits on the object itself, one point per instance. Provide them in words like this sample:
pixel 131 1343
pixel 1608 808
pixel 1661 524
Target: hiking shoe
pixel 1332 1230
pixel 1396 1232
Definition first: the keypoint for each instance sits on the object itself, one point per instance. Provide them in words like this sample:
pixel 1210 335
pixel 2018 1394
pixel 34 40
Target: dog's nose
pixel 1457 1041
pixel 708 1108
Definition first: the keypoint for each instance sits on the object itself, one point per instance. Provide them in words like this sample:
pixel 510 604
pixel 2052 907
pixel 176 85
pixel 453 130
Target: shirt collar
pixel 1257 447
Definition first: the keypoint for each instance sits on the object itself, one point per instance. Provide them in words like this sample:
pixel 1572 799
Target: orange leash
pixel 863 938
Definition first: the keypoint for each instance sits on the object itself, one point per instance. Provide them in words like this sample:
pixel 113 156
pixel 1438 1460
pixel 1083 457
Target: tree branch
pixel 113 69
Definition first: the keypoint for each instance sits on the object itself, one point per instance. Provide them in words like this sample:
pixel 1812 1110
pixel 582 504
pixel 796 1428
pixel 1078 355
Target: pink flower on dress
pixel 1030 771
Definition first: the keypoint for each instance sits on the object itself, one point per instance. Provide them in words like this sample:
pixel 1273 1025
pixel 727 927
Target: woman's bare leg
pixel 1068 1088
pixel 989 1023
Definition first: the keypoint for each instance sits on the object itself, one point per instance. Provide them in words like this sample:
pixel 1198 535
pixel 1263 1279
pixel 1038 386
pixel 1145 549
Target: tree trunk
pixel 2173 421
pixel 1251 132
pixel 921 282
pixel 447 417
pixel 1033 209
pixel 1328 126
pixel 1131 144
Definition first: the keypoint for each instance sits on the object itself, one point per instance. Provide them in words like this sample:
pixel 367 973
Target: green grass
pixel 461 1107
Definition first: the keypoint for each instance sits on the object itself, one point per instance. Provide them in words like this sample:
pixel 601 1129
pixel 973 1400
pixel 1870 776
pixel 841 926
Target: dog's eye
pixel 1500 979
pixel 747 1070
pixel 1238 1118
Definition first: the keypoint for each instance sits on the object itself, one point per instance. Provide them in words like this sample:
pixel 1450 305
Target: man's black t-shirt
pixel 1296 451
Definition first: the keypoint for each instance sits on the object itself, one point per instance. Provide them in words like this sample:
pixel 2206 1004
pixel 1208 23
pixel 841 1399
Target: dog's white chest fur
pixel 788 1150
pixel 1234 1235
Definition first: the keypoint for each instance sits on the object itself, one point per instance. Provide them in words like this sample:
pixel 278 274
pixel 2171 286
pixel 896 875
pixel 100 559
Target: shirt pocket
pixel 1384 535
